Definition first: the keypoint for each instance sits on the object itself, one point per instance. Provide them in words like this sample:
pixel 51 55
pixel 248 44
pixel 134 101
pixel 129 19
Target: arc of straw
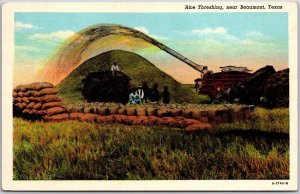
pixel 107 30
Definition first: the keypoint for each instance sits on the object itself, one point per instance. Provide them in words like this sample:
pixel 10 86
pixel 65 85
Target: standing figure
pixel 146 91
pixel 196 86
pixel 154 93
pixel 141 94
pixel 114 68
pixel 166 95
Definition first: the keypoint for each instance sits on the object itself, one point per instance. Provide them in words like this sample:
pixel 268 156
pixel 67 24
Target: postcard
pixel 149 96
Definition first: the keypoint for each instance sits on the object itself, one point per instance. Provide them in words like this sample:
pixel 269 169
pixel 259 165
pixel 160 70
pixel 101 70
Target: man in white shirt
pixel 114 68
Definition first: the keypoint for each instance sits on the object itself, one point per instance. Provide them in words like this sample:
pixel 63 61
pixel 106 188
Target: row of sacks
pixel 178 122
pixel 205 116
pixel 37 100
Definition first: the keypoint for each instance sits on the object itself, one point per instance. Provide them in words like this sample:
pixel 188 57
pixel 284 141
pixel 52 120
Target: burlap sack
pixel 17 100
pixel 50 98
pixel 27 93
pixel 211 116
pixel 176 112
pixel 37 106
pixel 138 120
pixel 165 121
pixel 187 113
pixel 153 120
pixel 113 110
pixel 21 94
pixel 46 91
pixel 22 105
pixel 26 111
pixel 40 112
pixel 87 110
pixel 102 111
pixel 33 111
pixel 55 110
pixel 15 94
pixel 201 116
pixel 51 105
pixel 30 105
pixel 199 127
pixel 151 111
pixel 89 117
pixel 34 99
pixel 141 111
pixel 25 99
pixel 231 115
pixel 76 115
pixel 58 117
pixel 36 86
pixel 120 118
pixel 163 112
pixel 131 111
pixel 122 111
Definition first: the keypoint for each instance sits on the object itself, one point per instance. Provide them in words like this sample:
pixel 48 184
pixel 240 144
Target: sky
pixel 212 39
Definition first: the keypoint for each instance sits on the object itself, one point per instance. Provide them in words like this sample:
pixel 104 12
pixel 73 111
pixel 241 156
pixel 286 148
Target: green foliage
pixel 276 120
pixel 269 120
pixel 133 65
pixel 85 151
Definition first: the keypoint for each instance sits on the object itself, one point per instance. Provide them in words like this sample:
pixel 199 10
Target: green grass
pixel 135 66
pixel 84 151
pixel 269 120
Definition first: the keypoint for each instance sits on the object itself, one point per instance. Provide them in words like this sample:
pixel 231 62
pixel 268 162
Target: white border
pixel 162 185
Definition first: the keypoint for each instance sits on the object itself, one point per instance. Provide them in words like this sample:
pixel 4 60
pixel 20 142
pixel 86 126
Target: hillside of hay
pixel 136 67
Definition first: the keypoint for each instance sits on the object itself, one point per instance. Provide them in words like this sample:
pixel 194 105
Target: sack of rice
pixel 163 112
pixel 30 105
pixel 176 112
pixel 89 117
pixel 165 121
pixel 231 115
pixel 204 127
pixel 151 111
pixel 102 111
pixel 131 111
pixel 141 111
pixel 187 113
pixel 37 106
pixel 55 110
pixel 47 91
pixel 58 117
pixel 200 116
pixel 211 116
pixel 113 110
pixel 50 98
pixel 122 111
pixel 51 105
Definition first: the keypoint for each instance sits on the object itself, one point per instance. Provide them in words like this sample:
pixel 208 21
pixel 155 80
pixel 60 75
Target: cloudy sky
pixel 212 39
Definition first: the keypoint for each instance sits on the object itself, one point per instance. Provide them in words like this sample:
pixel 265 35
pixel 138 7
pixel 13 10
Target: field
pixel 72 150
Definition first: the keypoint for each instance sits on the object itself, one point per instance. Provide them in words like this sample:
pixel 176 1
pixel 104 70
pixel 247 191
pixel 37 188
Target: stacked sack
pixel 38 100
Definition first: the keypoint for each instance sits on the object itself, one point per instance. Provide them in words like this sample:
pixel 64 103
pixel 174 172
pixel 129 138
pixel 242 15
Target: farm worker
pixel 166 95
pixel 141 94
pixel 138 99
pixel 114 68
pixel 154 93
pixel 146 91
pixel 132 98
pixel 196 86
